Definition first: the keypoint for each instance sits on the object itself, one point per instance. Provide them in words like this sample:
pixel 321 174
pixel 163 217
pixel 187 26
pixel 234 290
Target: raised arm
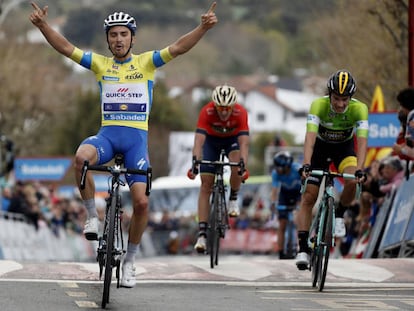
pixel 56 40
pixel 189 40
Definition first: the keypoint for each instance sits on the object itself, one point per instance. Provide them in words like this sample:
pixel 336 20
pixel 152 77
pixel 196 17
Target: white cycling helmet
pixel 224 96
pixel 120 19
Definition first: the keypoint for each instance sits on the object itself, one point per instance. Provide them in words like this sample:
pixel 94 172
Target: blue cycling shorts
pixel 131 142
pixel 284 210
pixel 212 148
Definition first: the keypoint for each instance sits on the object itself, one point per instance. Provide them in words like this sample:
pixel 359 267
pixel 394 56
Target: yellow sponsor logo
pixel 343 81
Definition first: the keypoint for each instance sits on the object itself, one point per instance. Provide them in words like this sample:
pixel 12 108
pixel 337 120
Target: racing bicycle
pixel 218 221
pixel 322 230
pixel 111 244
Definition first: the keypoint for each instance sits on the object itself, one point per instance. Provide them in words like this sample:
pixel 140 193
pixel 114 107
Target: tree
pixel 33 98
pixel 82 27
pixel 370 38
pixel 82 121
pixel 166 115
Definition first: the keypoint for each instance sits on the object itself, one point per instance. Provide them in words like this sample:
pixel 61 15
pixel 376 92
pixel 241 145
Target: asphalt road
pixel 188 283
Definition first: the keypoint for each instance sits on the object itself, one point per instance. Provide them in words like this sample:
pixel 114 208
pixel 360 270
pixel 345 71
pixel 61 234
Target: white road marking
pixel 94 267
pixel 68 285
pixel 77 294
pixel 236 269
pixel 7 266
pixel 354 269
pixel 86 304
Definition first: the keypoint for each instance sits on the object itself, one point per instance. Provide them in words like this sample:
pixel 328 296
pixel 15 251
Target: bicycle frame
pixel 290 245
pixel 322 209
pixel 111 245
pixel 218 219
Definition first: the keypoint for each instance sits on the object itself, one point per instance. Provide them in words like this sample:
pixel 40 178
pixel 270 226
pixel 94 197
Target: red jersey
pixel 209 122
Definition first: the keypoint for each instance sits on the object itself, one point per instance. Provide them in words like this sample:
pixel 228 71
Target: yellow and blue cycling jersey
pixel 126 88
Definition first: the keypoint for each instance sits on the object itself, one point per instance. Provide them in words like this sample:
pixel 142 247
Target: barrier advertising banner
pixel 383 129
pixel 45 169
pixel 400 216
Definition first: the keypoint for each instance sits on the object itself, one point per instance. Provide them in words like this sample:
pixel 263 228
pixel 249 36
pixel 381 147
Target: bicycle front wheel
pixel 315 263
pixel 214 235
pixel 326 243
pixel 315 255
pixel 109 251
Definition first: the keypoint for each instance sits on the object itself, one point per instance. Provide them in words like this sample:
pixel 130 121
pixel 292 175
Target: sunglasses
pixel 221 108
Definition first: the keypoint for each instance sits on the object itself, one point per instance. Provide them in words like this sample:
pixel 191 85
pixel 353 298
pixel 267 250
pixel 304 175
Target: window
pixel 261 117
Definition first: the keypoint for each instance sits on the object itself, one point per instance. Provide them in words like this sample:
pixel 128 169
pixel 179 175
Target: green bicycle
pixel 322 230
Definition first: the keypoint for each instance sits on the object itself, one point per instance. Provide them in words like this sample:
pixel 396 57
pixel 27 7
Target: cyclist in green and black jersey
pixel 332 123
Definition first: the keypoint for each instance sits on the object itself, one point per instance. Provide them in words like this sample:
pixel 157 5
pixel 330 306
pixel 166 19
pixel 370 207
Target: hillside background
pixel 47 108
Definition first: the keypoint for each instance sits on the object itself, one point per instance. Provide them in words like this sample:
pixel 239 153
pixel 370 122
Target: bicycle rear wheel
pixel 109 252
pixel 326 242
pixel 291 242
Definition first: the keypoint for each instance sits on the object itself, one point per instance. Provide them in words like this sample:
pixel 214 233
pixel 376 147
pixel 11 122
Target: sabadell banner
pixel 44 169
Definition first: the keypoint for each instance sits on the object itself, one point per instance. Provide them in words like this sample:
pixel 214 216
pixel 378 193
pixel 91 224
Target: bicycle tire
pixel 221 222
pixel 327 243
pixel 213 234
pixel 315 254
pixel 109 250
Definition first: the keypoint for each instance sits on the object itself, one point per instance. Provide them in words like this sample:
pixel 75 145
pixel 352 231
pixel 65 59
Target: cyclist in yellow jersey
pixel 332 123
pixel 126 85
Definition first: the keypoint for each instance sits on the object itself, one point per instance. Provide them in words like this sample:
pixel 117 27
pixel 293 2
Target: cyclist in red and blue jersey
pixel 222 124
pixel 126 86
pixel 333 122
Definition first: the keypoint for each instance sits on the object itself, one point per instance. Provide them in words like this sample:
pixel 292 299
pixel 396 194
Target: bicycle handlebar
pixel 331 174
pixel 196 162
pixel 318 173
pixel 116 170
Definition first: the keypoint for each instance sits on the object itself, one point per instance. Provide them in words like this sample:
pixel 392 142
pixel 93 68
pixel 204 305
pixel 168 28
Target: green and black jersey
pixel 337 127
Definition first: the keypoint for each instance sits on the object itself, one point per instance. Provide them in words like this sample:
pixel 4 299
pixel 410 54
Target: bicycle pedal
pixel 302 267
pixel 91 236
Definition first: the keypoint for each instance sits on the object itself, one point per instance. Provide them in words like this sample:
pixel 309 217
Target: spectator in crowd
pixel 393 174
pixel 24 202
pixel 259 217
pixel 18 202
pixel 75 216
pixel 57 221
pixel 406 100
pixel 5 198
pixel 278 141
pixel 243 221
pixel 371 196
